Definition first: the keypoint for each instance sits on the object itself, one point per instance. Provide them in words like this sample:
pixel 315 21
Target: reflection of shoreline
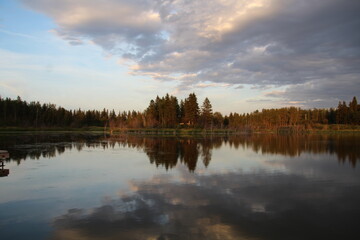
pixel 168 151
pixel 22 147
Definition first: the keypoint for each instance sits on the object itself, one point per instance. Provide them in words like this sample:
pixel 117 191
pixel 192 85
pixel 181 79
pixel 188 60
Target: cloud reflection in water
pixel 222 206
pixel 314 197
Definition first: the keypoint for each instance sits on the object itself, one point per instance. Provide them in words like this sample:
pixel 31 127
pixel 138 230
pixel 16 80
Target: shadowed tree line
pixel 170 151
pixel 303 118
pixel 168 112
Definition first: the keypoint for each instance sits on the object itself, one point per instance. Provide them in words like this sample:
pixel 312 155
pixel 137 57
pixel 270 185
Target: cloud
pixel 263 42
pixel 124 27
pixel 326 92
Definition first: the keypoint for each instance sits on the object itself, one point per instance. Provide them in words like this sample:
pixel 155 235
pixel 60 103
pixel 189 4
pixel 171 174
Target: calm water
pixel 128 187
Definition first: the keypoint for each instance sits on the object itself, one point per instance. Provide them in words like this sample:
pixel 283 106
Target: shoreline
pixel 339 129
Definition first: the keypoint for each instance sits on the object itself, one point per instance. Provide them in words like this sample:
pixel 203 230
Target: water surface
pixel 77 186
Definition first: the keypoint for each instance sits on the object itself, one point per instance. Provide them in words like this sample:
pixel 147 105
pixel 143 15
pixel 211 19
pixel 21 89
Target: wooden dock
pixel 4 154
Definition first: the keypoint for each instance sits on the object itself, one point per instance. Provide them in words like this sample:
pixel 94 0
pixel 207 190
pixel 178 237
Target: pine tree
pixel 182 111
pixel 206 113
pixel 354 112
pixel 152 115
pixel 191 108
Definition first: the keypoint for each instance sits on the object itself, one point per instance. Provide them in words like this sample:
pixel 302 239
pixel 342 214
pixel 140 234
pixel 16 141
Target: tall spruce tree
pixel 354 112
pixel 192 110
pixel 206 113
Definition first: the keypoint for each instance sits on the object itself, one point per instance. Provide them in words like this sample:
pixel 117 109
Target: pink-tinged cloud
pixel 293 43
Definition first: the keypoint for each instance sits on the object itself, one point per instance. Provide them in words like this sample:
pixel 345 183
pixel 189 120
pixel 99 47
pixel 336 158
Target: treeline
pixel 168 112
pixel 292 116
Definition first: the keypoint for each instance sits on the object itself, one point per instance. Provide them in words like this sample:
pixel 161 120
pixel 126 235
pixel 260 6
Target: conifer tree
pixel 192 110
pixel 206 113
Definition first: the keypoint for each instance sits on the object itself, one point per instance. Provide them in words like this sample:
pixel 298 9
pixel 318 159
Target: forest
pixel 168 112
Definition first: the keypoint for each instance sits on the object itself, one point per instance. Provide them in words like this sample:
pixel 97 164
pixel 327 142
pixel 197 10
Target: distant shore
pixel 326 129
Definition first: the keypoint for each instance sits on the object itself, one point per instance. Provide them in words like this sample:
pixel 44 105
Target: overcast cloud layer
pixel 312 47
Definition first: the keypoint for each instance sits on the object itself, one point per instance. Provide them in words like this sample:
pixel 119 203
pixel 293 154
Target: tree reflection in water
pixel 231 204
pixel 168 151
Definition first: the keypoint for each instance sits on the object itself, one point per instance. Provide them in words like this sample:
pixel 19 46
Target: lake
pixel 89 186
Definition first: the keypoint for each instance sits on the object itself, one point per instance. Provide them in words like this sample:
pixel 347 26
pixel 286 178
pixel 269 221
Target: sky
pixel 241 54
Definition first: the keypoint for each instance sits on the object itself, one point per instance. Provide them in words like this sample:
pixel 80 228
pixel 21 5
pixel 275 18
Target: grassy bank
pixel 51 129
pixel 135 131
pixel 326 129
pixel 172 131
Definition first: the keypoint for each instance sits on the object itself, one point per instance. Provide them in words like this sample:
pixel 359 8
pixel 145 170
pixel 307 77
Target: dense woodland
pixel 168 112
